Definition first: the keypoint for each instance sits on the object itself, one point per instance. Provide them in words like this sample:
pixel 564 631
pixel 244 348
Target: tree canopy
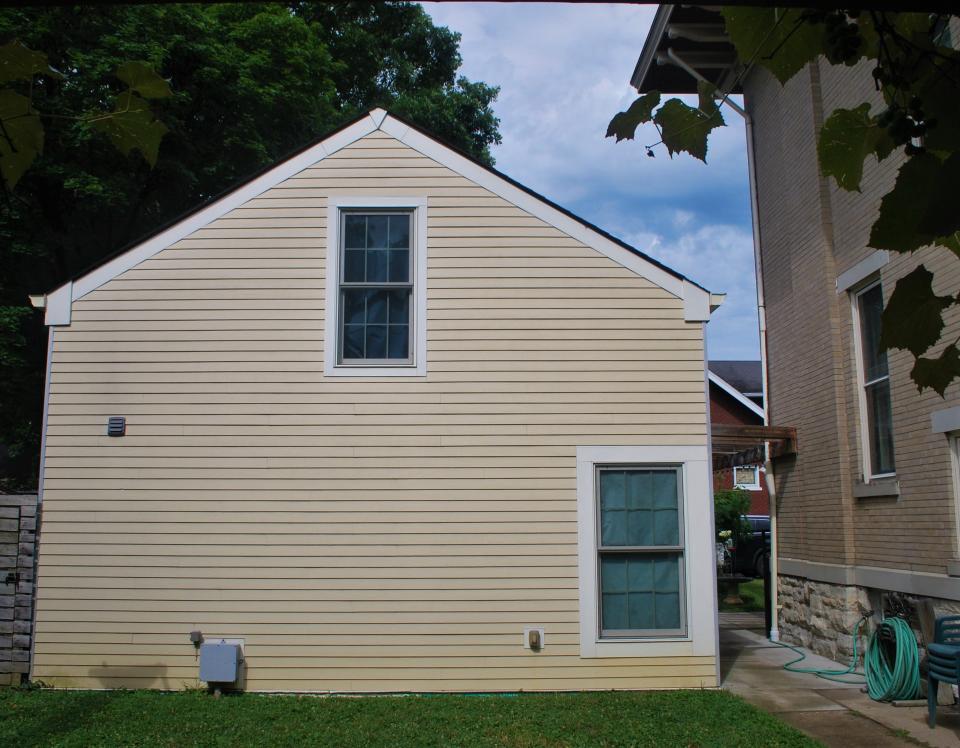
pixel 916 69
pixel 248 84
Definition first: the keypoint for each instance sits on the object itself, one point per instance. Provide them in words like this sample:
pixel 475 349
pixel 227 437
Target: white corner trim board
pixel 331 313
pixel 862 270
pixel 697 301
pixel 694 462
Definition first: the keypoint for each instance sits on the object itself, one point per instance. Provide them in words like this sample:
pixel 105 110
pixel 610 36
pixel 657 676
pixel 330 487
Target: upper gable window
pixel 376 286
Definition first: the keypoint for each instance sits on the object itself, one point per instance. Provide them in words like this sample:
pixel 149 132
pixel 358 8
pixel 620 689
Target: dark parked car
pixel 749 554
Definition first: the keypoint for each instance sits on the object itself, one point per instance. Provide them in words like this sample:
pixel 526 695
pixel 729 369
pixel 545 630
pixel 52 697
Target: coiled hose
pixel 893 677
pixel 888 678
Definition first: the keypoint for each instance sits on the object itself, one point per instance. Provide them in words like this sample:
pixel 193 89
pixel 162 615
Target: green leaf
pixel 132 126
pixel 775 38
pixel 938 95
pixel 846 139
pixel 19 63
pixel 624 124
pixel 143 79
pixel 937 373
pixel 21 136
pixel 913 317
pixel 921 209
pixel 685 128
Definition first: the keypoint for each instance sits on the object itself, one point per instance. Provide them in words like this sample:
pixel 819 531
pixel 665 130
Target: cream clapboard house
pixel 385 410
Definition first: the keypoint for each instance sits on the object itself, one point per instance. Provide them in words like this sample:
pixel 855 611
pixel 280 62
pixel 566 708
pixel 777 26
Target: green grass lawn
pixel 149 718
pixel 752 594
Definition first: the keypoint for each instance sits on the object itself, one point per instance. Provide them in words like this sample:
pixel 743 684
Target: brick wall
pixel 726 410
pixel 810 233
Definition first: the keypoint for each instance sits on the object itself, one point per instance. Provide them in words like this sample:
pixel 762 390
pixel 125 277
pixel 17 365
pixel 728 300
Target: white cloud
pixel 564 71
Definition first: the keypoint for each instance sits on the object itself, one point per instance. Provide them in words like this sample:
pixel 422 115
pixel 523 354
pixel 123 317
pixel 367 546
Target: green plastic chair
pixel 943 661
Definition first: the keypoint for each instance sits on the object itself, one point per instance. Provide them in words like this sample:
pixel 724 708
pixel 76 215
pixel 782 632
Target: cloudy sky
pixel 564 71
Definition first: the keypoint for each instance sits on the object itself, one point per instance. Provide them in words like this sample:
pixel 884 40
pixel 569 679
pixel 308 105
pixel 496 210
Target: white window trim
pixel 954 442
pixel 418 367
pixel 866 467
pixel 697 556
pixel 755 486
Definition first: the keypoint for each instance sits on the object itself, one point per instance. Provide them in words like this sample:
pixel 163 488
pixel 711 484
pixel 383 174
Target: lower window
pixel 640 550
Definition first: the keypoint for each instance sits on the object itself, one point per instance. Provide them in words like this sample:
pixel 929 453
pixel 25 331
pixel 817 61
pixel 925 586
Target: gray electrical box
pixel 220 662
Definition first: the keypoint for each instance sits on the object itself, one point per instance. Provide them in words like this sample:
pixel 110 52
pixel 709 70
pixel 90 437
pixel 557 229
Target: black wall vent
pixel 116 426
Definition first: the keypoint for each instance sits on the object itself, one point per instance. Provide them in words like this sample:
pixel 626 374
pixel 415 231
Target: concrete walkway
pixel 834 713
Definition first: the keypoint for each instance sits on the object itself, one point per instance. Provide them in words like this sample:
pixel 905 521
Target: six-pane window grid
pixel 640 548
pixel 876 382
pixel 375 287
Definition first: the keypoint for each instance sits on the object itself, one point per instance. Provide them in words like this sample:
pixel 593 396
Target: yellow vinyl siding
pixel 359 534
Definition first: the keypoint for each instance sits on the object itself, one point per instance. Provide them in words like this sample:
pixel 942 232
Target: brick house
pixel 865 515
pixel 736 398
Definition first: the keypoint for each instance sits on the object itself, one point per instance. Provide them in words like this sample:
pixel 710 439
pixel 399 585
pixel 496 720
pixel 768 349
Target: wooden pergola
pixel 744 445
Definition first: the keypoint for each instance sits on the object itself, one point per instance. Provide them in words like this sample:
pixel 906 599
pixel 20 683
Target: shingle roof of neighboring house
pixel 745 376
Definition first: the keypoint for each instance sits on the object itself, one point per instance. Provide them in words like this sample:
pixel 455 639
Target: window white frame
pixel 699 569
pixel 862 383
pixel 417 365
pixel 754 485
pixel 954 442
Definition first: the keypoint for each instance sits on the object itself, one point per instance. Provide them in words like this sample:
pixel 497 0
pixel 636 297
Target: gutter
pixel 761 315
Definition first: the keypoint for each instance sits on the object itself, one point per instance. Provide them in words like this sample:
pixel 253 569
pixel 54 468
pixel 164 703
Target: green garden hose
pixel 898 680
pixel 835 675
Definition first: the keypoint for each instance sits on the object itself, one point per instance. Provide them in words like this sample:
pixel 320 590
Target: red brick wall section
pixel 727 410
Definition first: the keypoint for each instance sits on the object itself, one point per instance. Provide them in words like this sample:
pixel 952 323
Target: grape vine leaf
pixel 21 136
pixel 912 318
pixel 921 208
pixel 937 373
pixel 624 124
pixel 686 128
pixel 846 139
pixel 132 126
pixel 143 79
pixel 776 38
pixel 20 63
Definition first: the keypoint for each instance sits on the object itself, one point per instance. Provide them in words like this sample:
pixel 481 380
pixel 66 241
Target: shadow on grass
pixel 33 718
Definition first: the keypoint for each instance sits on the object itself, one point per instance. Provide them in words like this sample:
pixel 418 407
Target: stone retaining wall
pixel 820 616
pixel 18 540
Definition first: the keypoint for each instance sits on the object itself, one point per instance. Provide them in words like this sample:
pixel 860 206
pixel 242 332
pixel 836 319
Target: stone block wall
pixel 821 616
pixel 18 541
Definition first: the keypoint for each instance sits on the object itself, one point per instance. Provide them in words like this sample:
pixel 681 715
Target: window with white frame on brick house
pixel 873 380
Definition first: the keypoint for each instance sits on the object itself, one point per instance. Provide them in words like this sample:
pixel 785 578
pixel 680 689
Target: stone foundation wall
pixel 820 616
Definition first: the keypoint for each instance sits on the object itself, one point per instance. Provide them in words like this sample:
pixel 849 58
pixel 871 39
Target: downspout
pixel 762 319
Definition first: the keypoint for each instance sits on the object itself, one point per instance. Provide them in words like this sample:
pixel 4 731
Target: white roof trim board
pixel 696 300
pixel 736 394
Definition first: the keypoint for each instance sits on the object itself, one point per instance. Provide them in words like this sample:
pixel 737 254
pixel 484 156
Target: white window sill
pixel 376 371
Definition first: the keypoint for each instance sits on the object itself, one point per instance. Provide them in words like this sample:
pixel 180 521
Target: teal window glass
pixel 640 547
pixel 375 287
pixel 639 507
pixel 640 592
